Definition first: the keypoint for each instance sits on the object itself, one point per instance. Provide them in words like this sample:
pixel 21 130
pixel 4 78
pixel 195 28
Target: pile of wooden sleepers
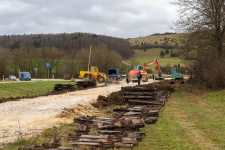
pixel 85 84
pixel 122 129
pixel 60 87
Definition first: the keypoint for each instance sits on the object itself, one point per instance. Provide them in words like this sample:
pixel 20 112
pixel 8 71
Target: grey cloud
pixel 126 18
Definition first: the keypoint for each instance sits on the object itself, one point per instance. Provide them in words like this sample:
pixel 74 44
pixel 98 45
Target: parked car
pixel 12 77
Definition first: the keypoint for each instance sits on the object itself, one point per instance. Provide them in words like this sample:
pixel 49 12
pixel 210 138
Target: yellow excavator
pixel 94 74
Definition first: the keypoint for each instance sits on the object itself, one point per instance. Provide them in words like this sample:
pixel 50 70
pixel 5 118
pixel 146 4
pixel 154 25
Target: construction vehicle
pixel 94 74
pixel 176 74
pixel 113 74
pixel 142 69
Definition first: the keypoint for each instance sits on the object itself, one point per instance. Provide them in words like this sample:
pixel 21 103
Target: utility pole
pixel 89 62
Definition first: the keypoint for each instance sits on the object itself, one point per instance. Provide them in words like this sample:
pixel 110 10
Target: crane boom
pixel 152 62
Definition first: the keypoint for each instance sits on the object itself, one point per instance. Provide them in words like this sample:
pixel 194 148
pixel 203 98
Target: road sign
pixel 186 70
pixel 47 65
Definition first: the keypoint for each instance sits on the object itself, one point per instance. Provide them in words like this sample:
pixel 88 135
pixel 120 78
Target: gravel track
pixel 31 116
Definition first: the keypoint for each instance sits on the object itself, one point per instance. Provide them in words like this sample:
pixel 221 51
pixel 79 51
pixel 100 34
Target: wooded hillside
pixel 63 51
pixel 68 42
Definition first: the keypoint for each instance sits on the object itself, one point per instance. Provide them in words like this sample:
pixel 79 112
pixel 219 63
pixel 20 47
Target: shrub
pixel 167 51
pixel 162 53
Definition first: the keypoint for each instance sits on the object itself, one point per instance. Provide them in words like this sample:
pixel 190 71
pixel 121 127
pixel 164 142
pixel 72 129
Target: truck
pixel 113 74
pixel 94 74
pixel 24 76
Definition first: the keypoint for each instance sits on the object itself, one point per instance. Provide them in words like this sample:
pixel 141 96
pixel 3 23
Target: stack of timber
pixel 60 87
pixel 85 84
pixel 114 132
pixel 144 96
pixel 143 102
pixel 122 129
pixel 148 113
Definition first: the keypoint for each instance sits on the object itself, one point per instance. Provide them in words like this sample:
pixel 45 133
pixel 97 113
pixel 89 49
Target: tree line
pixel 156 45
pixel 66 53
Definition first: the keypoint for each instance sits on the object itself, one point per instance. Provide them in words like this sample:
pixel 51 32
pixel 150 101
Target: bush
pixel 162 53
pixel 209 72
pixel 167 51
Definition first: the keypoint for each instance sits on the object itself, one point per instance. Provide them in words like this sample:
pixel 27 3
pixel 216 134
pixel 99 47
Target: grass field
pixel 142 57
pixel 20 89
pixel 191 119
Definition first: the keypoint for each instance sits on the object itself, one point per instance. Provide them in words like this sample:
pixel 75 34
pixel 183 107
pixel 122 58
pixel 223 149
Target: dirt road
pixel 31 116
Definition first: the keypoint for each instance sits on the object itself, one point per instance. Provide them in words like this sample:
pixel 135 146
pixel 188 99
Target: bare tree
pixel 22 59
pixel 51 55
pixel 101 57
pixel 4 55
pixel 204 23
pixel 71 65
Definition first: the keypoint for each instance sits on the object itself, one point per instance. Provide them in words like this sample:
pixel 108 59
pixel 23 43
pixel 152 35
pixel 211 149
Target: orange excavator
pixel 133 73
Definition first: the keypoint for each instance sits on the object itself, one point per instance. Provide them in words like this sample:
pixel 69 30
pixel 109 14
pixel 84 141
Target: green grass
pixel 167 133
pixel 142 57
pixel 152 53
pixel 191 119
pixel 19 89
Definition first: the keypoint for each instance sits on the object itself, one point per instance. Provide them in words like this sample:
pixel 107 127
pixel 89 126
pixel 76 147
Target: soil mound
pixel 114 98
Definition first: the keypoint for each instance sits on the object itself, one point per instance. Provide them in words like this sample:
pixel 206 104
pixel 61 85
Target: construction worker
pixel 127 78
pixel 153 76
pixel 139 77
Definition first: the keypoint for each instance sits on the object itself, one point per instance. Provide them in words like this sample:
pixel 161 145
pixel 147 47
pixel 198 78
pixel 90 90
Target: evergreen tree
pixel 167 51
pixel 162 53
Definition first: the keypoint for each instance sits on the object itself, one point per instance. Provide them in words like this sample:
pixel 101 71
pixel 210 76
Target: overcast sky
pixel 117 18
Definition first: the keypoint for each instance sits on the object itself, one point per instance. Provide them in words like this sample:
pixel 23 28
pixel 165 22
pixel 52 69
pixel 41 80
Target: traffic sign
pixel 47 65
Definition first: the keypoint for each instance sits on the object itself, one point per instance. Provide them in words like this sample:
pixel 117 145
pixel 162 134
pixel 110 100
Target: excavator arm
pixel 153 62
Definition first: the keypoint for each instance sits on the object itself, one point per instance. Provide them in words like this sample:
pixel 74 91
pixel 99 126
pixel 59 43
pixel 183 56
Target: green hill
pixel 142 56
